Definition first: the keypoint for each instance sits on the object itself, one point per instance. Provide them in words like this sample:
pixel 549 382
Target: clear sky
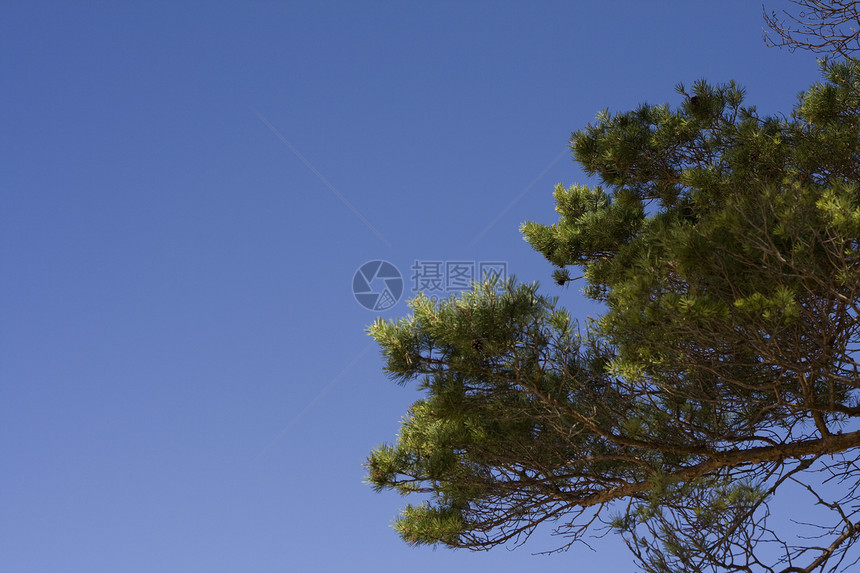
pixel 187 190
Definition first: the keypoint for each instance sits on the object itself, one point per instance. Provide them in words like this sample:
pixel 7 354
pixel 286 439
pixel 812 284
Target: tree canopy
pixel 725 249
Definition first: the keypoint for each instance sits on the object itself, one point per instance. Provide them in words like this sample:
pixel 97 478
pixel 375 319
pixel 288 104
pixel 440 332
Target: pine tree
pixel 725 248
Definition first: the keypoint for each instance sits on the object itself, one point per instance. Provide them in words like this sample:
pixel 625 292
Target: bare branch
pixel 827 27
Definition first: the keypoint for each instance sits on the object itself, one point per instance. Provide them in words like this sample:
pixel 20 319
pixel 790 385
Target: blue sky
pixel 187 191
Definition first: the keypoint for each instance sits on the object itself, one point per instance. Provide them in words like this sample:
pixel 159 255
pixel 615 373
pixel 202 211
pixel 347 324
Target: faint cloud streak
pixel 310 405
pixel 319 175
pixel 520 196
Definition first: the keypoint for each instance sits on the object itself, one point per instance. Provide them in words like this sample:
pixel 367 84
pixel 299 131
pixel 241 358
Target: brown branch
pixel 850 531
pixel 828 27
pixel 722 460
